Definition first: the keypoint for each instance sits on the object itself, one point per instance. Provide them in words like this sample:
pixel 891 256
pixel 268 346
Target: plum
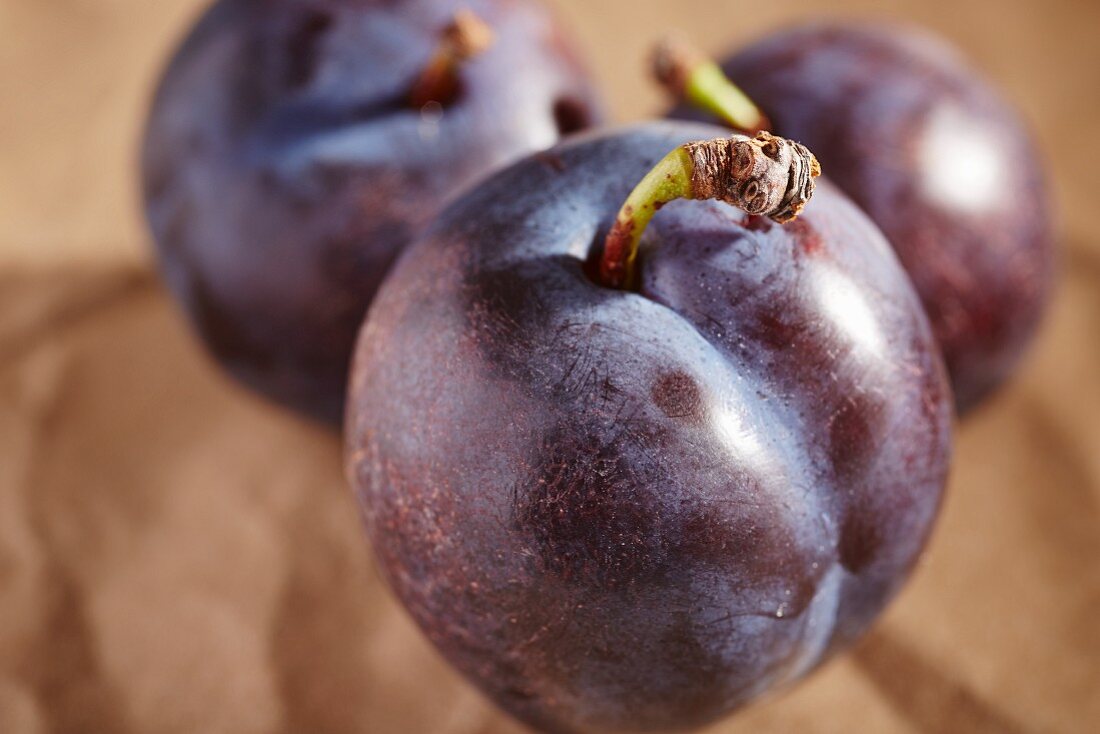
pixel 637 508
pixel 940 162
pixel 296 146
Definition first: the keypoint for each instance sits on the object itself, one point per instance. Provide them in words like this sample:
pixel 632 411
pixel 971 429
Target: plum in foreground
pixel 638 508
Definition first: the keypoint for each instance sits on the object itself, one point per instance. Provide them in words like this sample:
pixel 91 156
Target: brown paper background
pixel 176 556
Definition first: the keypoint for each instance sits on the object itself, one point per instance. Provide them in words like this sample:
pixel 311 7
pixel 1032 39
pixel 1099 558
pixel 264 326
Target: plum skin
pixel 938 160
pixel 618 511
pixel 284 170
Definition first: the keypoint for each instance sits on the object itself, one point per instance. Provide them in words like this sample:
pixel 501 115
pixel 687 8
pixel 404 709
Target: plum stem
pixel 464 38
pixel 690 75
pixel 670 179
pixel 765 175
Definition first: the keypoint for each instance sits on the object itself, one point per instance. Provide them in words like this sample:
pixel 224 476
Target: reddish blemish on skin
pixel 806 236
pixel 757 223
pixel 613 262
pixel 860 542
pixel 677 395
pixel 853 431
pixel 552 160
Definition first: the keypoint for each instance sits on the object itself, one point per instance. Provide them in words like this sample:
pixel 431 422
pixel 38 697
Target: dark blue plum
pixel 285 169
pixel 621 511
pixel 938 160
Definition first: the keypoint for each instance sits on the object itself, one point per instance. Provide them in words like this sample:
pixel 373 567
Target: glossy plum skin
pixel 632 511
pixel 284 169
pixel 938 160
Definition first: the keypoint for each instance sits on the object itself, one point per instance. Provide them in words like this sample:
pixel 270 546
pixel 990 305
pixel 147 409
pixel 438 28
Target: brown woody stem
pixel 465 37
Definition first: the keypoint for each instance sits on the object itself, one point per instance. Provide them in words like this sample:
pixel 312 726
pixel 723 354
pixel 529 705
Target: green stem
pixel 708 88
pixel 690 75
pixel 669 180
